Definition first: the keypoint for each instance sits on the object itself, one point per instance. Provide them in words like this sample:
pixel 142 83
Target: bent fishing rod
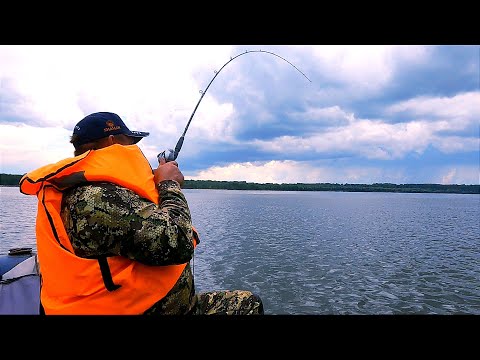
pixel 171 154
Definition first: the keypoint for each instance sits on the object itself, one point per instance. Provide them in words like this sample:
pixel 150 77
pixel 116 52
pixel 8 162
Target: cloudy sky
pixel 311 114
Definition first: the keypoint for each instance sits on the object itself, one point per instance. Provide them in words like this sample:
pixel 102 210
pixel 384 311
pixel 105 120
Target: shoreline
pixel 13 180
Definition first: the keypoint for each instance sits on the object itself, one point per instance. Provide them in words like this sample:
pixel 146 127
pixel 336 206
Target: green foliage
pixel 9 179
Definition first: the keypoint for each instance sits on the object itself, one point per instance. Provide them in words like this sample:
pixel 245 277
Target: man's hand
pixel 168 171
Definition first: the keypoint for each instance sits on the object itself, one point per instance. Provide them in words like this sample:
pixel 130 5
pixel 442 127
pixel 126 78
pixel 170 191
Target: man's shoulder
pixel 95 187
pixel 99 190
pixel 101 200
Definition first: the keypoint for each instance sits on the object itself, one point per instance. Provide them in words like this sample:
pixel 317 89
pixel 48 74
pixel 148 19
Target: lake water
pixel 322 252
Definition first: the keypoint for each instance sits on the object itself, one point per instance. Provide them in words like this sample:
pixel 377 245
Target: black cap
pixel 102 124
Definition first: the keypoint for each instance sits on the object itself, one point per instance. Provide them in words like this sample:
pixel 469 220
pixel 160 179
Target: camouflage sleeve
pixel 105 219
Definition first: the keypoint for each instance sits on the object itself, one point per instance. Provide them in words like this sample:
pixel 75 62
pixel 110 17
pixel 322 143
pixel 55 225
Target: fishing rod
pixel 171 154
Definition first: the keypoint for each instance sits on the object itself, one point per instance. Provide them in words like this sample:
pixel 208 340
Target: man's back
pixel 107 219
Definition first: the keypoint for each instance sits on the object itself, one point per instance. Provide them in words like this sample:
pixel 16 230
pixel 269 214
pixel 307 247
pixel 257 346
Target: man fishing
pixel 115 236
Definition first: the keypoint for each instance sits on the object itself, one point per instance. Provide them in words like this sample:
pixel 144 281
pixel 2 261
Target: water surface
pixel 322 252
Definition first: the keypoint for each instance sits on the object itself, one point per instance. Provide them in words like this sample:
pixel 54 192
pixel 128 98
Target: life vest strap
pixel 106 274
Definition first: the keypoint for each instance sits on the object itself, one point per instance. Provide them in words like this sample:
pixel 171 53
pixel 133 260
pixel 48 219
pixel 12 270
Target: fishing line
pixel 170 154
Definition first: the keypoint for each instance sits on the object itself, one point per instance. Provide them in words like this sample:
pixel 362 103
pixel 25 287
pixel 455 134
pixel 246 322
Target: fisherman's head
pixel 102 129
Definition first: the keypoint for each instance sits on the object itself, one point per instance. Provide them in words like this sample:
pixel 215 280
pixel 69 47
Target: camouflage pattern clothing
pixel 236 302
pixel 105 219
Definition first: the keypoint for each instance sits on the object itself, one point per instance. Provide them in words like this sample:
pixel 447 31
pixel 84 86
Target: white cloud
pixel 378 139
pixel 329 116
pixel 367 67
pixel 448 178
pixel 37 147
pixel 458 111
pixel 306 172
pixel 455 144
pixel 293 172
pixel 370 138
pixel 457 175
pixel 62 83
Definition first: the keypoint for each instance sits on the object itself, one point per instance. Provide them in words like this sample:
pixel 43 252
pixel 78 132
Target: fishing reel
pixel 168 155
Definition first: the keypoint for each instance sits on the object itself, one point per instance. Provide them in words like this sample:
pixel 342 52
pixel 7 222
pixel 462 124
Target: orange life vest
pixel 108 285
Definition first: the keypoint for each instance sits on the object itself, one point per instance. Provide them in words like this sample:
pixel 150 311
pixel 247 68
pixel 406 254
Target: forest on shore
pixel 13 180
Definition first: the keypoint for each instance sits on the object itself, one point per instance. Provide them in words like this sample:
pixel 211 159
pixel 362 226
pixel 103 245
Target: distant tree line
pixel 9 180
pixel 13 180
pixel 379 187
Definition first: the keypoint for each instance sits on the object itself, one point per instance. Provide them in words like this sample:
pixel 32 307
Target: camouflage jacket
pixel 106 219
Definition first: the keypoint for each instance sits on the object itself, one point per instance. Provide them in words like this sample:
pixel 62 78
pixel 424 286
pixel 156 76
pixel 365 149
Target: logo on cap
pixel 111 126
